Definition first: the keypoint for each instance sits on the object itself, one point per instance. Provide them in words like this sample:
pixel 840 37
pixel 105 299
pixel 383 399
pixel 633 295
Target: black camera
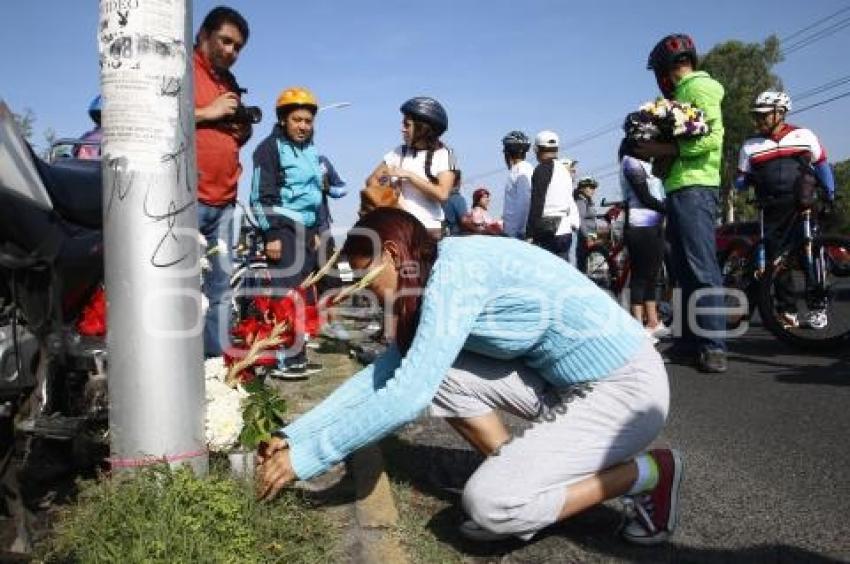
pixel 246 114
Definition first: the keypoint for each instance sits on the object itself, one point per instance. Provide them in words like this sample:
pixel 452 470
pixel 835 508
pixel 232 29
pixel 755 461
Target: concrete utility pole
pixel 156 384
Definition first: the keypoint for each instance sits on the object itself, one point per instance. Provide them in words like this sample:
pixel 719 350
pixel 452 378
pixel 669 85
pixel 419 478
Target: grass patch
pixel 164 515
pixel 416 510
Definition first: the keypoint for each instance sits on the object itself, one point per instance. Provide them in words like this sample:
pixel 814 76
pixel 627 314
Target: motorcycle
pixel 52 378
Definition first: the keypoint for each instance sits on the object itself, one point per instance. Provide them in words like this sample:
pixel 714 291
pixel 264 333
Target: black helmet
pixel 671 50
pixel 639 126
pixel 428 110
pixel 516 140
pixel 587 181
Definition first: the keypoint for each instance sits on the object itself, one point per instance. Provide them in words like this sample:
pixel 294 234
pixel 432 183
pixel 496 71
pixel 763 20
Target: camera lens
pixel 254 113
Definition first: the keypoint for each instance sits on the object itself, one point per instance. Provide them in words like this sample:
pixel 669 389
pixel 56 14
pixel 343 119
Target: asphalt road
pixel 766 454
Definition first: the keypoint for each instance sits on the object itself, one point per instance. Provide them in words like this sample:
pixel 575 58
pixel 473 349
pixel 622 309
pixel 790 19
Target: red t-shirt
pixel 218 151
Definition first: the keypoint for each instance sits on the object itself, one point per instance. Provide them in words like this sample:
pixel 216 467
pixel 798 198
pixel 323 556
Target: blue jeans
pixel 216 224
pixel 691 219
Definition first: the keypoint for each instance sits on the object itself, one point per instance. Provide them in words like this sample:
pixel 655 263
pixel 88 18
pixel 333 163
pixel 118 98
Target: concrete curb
pixel 375 509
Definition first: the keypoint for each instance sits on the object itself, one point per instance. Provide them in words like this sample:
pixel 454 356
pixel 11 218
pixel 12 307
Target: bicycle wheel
pixel 809 310
pixel 736 268
pixel 598 270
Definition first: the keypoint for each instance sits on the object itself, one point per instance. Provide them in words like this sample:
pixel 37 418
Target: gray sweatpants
pixel 576 432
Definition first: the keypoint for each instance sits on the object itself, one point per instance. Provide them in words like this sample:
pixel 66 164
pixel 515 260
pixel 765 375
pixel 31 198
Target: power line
pixel 602 170
pixel 599 132
pixel 606 171
pixel 822 88
pixel 813 25
pixel 815 37
pixel 482 176
pixel 822 102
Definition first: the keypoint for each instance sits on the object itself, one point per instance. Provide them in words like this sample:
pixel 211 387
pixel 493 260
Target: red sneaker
pixel 656 513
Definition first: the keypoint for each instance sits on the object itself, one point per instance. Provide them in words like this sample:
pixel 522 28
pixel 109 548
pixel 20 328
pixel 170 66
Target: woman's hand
pixel 274 249
pixel 275 471
pixel 400 173
pixel 270 447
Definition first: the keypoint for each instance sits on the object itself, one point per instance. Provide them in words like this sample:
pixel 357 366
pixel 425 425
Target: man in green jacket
pixel 692 187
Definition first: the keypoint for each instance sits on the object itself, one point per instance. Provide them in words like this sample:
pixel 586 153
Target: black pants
pixel 646 251
pixel 581 253
pixel 558 245
pixel 777 220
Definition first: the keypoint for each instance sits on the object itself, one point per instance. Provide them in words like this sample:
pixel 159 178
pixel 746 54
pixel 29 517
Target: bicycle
pixel 809 270
pixel 609 265
pixel 250 269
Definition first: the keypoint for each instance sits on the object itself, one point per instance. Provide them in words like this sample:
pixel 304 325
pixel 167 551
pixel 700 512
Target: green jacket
pixel 699 158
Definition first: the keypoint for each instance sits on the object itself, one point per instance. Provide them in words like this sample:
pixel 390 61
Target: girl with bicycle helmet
pixel 286 196
pixel 643 196
pixel 422 167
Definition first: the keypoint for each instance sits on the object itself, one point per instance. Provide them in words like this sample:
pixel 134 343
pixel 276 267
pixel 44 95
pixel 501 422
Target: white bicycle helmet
pixel 771 100
pixel 547 140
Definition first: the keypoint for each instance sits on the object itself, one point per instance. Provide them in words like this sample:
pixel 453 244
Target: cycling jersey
pixel 773 164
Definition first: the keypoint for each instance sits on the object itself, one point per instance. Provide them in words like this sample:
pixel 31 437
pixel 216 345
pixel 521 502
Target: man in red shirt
pixel 222 35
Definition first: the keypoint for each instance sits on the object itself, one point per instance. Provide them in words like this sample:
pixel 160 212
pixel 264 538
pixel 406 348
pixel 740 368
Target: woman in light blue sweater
pixel 481 325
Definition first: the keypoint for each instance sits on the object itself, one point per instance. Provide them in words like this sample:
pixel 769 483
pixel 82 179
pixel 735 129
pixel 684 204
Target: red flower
pixel 92 322
pixel 312 321
pixel 246 376
pixel 246 329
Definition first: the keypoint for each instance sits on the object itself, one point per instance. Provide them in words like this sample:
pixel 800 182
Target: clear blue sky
pixel 497 65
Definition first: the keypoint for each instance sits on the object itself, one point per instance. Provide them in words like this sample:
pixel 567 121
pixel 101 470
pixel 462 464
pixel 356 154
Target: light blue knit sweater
pixel 498 297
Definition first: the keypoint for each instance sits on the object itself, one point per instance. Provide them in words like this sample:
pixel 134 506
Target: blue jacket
pixel 287 183
pixel 453 210
pixel 498 297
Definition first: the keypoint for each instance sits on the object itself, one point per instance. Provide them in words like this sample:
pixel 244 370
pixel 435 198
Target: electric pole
pixel 156 384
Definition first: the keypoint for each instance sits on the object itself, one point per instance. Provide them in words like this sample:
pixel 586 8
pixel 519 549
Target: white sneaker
pixel 660 331
pixel 789 320
pixel 652 338
pixel 816 319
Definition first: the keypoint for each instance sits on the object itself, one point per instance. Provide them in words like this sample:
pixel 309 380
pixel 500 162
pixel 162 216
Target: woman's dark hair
pixel 627 148
pixel 424 136
pixel 418 252
pixel 478 195
pixel 221 15
pixel 515 151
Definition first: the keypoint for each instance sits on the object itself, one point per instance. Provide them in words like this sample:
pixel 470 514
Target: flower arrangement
pixel 243 415
pixel 280 322
pixel 668 119
pixel 223 419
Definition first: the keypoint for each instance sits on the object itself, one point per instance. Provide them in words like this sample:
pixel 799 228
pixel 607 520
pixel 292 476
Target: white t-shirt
pixel 559 199
pixel 425 209
pixel 517 199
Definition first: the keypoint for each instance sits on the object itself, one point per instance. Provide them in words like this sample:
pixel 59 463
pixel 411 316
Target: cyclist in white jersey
pixel 777 161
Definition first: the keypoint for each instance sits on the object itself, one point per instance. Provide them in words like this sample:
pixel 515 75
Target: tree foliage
pixel 842 191
pixel 26 122
pixel 744 70
pixel 26 125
